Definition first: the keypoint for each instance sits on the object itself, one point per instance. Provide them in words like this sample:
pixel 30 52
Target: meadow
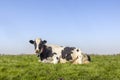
pixel 27 67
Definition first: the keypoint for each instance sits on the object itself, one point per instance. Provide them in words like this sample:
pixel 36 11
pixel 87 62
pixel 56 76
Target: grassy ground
pixel 27 67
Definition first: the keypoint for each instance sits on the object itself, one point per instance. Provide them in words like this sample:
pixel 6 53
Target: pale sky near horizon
pixel 91 25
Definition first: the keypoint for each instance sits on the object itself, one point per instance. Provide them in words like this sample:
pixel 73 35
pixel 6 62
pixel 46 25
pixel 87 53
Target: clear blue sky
pixel 92 25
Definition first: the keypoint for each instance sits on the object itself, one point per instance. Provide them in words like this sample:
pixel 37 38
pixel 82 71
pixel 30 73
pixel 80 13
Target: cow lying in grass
pixel 58 54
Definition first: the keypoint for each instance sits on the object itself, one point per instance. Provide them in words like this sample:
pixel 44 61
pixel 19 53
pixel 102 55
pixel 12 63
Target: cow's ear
pixel 31 41
pixel 44 41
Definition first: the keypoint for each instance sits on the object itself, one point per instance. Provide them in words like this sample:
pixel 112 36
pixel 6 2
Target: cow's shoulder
pixel 55 48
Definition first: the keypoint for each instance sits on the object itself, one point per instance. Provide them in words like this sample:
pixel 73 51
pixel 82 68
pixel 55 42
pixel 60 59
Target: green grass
pixel 27 67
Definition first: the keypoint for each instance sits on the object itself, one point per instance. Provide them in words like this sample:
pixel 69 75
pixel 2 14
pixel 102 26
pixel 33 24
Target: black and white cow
pixel 58 54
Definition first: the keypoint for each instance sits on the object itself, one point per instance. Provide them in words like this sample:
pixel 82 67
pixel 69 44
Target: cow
pixel 58 54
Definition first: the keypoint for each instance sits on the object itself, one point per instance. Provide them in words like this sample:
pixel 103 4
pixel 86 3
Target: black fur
pixel 66 53
pixel 44 41
pixel 77 50
pixel 31 41
pixel 47 52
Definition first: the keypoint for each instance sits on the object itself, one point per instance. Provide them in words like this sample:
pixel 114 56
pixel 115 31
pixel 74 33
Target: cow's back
pixel 56 49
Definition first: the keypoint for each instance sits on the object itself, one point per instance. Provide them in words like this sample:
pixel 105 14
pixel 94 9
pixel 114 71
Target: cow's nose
pixel 37 51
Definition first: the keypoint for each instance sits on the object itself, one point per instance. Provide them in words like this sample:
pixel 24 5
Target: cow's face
pixel 38 43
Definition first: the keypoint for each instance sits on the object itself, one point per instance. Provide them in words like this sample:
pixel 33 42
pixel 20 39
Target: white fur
pixel 37 40
pixel 77 56
pixel 52 59
pixel 56 49
pixel 55 60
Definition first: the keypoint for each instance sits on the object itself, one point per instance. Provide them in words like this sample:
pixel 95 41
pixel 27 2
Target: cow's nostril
pixel 37 51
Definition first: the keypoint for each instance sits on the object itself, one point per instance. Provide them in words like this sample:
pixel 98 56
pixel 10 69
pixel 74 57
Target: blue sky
pixel 92 25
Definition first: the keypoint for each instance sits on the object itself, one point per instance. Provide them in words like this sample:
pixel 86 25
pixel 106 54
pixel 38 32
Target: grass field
pixel 27 67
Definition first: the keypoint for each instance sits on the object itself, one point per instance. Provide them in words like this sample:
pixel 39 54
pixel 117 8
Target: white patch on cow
pixel 76 52
pixel 56 49
pixel 79 60
pixel 37 40
pixel 63 60
pixel 55 59
pixel 45 61
pixel 77 56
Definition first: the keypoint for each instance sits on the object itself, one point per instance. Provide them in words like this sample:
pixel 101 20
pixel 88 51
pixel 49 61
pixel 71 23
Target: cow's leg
pixel 39 58
pixel 78 60
pixel 44 61
pixel 86 60
pixel 55 59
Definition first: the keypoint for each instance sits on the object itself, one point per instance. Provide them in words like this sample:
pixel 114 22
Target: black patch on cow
pixel 66 53
pixel 44 41
pixel 57 58
pixel 39 45
pixel 77 50
pixel 47 52
pixel 31 41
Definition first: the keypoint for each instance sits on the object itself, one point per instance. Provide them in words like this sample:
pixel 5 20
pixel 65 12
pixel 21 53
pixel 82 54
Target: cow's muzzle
pixel 37 51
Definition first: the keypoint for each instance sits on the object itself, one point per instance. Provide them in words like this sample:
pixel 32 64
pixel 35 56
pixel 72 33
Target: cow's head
pixel 39 45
